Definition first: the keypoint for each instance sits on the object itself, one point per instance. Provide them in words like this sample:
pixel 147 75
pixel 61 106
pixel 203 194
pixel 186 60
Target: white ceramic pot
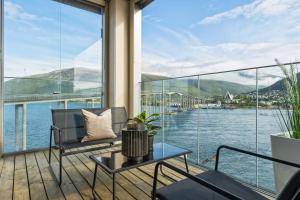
pixel 288 149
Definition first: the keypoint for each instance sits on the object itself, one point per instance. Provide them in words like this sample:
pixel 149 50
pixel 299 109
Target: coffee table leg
pixel 114 187
pixel 94 181
pixel 186 165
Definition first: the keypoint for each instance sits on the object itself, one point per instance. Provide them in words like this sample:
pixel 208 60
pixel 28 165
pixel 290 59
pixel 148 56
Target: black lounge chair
pixel 68 129
pixel 215 185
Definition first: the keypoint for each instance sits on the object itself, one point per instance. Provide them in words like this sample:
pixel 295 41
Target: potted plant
pixel 286 145
pixel 146 122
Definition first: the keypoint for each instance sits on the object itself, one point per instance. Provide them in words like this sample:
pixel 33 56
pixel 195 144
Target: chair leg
pixel 60 166
pixel 50 147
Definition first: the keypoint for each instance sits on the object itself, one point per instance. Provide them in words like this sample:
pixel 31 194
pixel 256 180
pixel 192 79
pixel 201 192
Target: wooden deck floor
pixel 27 176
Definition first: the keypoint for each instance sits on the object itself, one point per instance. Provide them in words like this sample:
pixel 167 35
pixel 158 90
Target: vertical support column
pixel 135 58
pixel 122 65
pixel 116 53
pixel 24 126
pixel 17 127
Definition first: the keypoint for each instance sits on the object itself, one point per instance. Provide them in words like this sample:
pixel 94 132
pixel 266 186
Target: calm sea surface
pixel 201 131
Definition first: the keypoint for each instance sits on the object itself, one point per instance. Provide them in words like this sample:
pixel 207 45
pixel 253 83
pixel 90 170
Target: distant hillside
pixel 279 86
pixel 190 86
pixel 72 80
pixel 87 81
pixel 152 77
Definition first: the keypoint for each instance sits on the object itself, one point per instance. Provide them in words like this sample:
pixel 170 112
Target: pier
pixel 171 102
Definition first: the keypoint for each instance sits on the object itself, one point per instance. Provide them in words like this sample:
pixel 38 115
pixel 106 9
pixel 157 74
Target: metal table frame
pixel 114 172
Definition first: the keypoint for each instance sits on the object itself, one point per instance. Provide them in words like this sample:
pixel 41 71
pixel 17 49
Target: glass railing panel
pixel 272 106
pixel 181 99
pixel 228 117
pixel 152 102
pixel 267 121
pixel 28 104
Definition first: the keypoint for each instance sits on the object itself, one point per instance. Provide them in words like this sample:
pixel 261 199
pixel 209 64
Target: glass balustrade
pixel 238 108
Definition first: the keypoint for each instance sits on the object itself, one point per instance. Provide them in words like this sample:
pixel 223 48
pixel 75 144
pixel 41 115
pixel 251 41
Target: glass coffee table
pixel 114 162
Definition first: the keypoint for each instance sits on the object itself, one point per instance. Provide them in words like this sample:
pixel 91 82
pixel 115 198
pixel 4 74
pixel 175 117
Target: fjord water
pixel 204 130
pixel 38 124
pixel 200 130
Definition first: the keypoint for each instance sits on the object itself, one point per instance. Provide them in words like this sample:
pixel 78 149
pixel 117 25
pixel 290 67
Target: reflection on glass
pixel 181 99
pixel 52 59
pixel 152 102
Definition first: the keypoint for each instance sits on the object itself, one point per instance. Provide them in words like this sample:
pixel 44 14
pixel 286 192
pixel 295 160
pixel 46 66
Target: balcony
pixel 27 176
pixel 237 108
pixel 87 54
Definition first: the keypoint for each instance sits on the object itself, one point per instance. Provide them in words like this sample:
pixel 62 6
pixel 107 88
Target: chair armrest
pixel 252 154
pixel 193 178
pixel 55 128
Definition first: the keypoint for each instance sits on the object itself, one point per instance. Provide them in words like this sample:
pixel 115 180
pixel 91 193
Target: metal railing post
pixel 198 124
pixel 24 126
pixel 256 128
pixel 65 104
pixel 17 127
pixel 163 111
pixel 1 75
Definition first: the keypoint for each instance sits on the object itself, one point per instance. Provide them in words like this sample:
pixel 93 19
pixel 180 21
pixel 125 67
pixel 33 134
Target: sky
pixel 44 35
pixel 192 37
pixel 178 37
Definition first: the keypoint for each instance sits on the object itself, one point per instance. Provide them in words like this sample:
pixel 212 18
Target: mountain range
pixel 87 81
pixel 72 80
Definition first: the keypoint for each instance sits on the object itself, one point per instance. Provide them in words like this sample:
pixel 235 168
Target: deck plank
pixel 101 190
pixel 69 190
pixel 27 176
pixel 76 178
pixel 36 186
pixel 7 178
pixel 121 193
pixel 21 188
pixel 52 188
pixel 124 183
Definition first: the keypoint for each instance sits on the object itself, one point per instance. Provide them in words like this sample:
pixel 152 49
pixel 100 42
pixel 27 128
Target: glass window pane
pixel 52 59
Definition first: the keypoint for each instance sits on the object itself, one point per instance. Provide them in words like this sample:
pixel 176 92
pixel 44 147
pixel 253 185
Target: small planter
pixel 288 149
pixel 150 142
pixel 134 144
pixel 141 127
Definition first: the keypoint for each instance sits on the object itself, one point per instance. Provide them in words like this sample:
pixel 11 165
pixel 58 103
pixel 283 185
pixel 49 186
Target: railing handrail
pixel 221 72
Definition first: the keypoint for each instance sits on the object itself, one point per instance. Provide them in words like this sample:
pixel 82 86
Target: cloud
pixel 248 74
pixel 222 57
pixel 14 11
pixel 262 8
pixel 151 19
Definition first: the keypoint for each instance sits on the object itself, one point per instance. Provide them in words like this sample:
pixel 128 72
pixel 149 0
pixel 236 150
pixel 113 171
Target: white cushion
pixel 97 127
